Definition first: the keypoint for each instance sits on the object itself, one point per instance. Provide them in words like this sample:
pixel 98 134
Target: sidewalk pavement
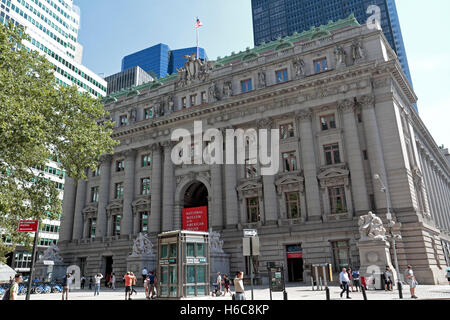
pixel 294 291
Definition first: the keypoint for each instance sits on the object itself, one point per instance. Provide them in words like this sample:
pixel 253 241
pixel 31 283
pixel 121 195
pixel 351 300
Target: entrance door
pixel 109 266
pixel 295 263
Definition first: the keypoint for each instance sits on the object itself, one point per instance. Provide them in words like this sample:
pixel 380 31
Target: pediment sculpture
pixel 194 70
pixel 371 227
pixel 142 246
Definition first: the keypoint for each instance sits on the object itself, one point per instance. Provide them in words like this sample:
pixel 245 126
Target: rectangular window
pixel 148 113
pixel 289 161
pixel 143 221
pixel 337 199
pixel 332 155
pixel 251 170
pixel 328 122
pixel 116 225
pixel 193 100
pixel 287 131
pixel 145 186
pixel 253 210
pixel 120 165
pixel 118 191
pixel 281 75
pixel 203 95
pixel 145 160
pixel 123 120
pixel 293 205
pixel 92 227
pixel 183 103
pixel 96 173
pixel 94 194
pixel 320 65
pixel 246 85
pixel 341 254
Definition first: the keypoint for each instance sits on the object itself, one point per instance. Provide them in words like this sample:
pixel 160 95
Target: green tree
pixel 38 120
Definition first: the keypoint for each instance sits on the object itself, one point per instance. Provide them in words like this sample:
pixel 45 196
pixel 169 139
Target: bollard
pixel 363 290
pixel 320 283
pixel 400 292
pixel 285 296
pixel 312 283
pixel 327 292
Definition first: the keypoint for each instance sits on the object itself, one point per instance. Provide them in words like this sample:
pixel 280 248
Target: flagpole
pixel 197 45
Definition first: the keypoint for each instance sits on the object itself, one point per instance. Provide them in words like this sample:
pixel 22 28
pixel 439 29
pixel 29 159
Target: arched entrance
pixel 194 206
pixel 196 195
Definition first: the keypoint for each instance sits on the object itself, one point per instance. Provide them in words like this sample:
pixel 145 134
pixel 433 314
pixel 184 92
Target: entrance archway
pixel 196 195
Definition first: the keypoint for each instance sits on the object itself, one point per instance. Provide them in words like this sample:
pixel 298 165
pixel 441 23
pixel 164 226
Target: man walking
pixel 356 279
pixel 128 284
pixel 144 273
pixel 11 293
pixel 387 280
pixel 133 283
pixel 344 280
pixel 152 284
pixel 83 281
pixel 239 286
pixel 113 281
pixel 219 283
pixel 412 282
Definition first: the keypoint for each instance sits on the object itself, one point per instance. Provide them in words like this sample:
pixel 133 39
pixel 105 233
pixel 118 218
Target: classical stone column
pixel 85 226
pixel 426 183
pixel 231 199
pixel 126 225
pixel 168 188
pixel 79 206
pixel 309 166
pixel 440 204
pixel 354 157
pixel 70 190
pixel 217 192
pixel 445 212
pixel 155 214
pixel 270 193
pixel 432 193
pixel 103 199
pixel 375 150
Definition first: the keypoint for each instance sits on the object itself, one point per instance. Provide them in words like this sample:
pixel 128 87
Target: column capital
pixel 347 105
pixel 305 115
pixel 265 123
pixel 155 147
pixel 366 101
pixel 130 153
pixel 105 158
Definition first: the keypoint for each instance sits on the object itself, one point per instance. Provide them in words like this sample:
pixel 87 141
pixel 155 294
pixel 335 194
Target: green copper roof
pixel 279 44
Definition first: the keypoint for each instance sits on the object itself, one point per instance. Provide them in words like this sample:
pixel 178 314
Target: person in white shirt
pixel 344 280
pixel 98 278
pixel 412 282
pixel 239 286
pixel 144 273
pixel 113 281
pixel 219 282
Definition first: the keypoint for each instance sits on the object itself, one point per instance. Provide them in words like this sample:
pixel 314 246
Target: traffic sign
pixel 28 226
pixel 250 233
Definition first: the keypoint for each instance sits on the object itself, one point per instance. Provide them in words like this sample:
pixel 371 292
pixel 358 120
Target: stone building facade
pixel 345 111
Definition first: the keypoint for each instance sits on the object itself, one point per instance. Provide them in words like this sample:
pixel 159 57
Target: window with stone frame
pixel 320 65
pixel 118 190
pixel 338 203
pixel 193 100
pixel 287 131
pixel 253 214
pixel 183 103
pixel 332 155
pixel 251 169
pixel 145 186
pixel 94 194
pixel 293 205
pixel 96 172
pixel 92 228
pixel 123 120
pixel 203 97
pixel 148 113
pixel 146 160
pixel 120 165
pixel 289 161
pixel 143 221
pixel 341 254
pixel 281 75
pixel 116 219
pixel 246 85
pixel 328 122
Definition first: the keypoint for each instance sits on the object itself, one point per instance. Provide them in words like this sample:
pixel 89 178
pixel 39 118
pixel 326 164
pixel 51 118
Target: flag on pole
pixel 198 24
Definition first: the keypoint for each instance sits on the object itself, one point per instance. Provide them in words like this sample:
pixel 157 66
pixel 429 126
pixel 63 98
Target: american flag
pixel 198 24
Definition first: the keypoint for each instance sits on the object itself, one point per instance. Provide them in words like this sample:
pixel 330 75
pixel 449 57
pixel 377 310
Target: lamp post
pixel 391 233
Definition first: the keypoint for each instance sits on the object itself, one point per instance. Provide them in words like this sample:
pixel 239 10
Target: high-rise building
pixel 126 79
pixel 279 18
pixel 159 61
pixel 52 26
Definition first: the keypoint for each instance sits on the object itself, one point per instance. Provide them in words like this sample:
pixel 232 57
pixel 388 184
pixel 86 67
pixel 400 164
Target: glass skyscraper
pixel 280 18
pixel 159 60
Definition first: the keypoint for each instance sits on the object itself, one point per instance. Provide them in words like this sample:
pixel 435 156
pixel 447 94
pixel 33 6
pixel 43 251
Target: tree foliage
pixel 38 120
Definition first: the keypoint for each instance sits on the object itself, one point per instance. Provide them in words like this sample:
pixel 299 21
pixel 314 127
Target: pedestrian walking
pixel 239 286
pixel 98 278
pixel 147 286
pixel 144 273
pixel 412 282
pixel 350 279
pixel 113 281
pixel 226 283
pixel 128 284
pixel 344 280
pixel 356 279
pixel 133 284
pixel 66 285
pixel 219 283
pixel 83 281
pixel 11 293
pixel 90 283
pixel 108 281
pixel 152 284
pixel 448 275
pixel 387 279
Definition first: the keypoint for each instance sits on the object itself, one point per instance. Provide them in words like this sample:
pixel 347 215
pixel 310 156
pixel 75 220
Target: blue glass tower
pixel 159 60
pixel 280 18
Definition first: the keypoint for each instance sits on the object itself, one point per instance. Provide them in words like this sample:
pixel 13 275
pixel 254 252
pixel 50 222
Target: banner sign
pixel 294 252
pixel 28 226
pixel 195 219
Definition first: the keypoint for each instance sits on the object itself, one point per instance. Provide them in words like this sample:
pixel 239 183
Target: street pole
pixel 33 257
pixel 251 264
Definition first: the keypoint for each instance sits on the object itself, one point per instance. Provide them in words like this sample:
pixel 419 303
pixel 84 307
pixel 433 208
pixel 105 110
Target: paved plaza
pixel 295 292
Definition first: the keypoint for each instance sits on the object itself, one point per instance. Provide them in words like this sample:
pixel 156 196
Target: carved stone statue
pixel 227 89
pixel 170 104
pixel 194 70
pixel 340 55
pixel 132 115
pixel 142 246
pixel 371 227
pixel 52 254
pixel 299 66
pixel 213 93
pixel 215 243
pixel 262 82
pixel 358 53
pixel 159 108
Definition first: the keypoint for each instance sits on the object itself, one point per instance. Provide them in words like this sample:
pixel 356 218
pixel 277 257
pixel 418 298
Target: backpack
pixel 152 279
pixel 7 295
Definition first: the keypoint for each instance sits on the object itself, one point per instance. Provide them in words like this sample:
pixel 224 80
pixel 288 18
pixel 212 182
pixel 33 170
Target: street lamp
pixel 391 233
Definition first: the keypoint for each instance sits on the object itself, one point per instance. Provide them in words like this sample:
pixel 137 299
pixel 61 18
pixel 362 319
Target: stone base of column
pixel 50 273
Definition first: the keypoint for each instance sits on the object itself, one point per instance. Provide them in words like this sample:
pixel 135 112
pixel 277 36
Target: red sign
pixel 195 219
pixel 28 226
pixel 297 255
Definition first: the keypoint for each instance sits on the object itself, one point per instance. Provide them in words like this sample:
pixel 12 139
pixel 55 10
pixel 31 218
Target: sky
pixel 112 29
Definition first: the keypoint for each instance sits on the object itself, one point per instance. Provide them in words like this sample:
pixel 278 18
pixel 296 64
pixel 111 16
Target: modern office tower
pixel 159 61
pixel 279 18
pixel 126 79
pixel 53 29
